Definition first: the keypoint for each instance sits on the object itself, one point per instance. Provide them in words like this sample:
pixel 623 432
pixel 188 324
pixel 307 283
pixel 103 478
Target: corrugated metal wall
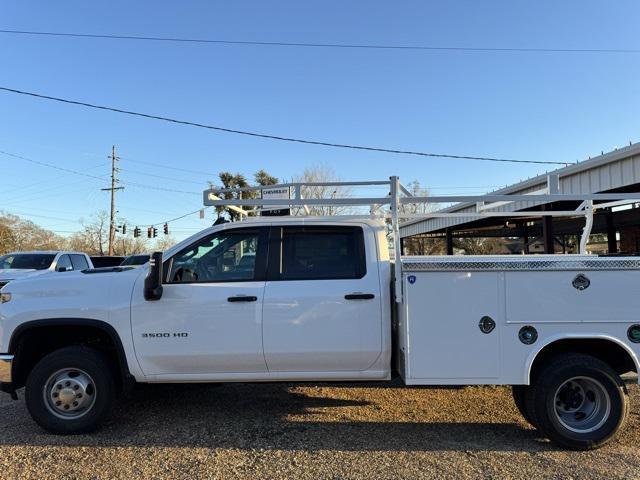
pixel 613 170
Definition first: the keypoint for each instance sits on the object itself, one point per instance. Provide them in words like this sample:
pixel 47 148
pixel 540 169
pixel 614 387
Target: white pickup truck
pixel 29 264
pixel 312 299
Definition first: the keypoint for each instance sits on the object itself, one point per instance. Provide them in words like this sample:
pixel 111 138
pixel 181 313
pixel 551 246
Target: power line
pixel 147 174
pixel 155 212
pixel 276 137
pixel 324 45
pixel 161 189
pixel 52 192
pixel 76 172
pixel 28 186
pixel 44 164
pixel 429 187
pixel 145 210
pixel 197 172
pixel 178 218
pixel 68 220
pixel 113 183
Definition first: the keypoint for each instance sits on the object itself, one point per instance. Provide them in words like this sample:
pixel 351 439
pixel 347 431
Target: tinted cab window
pixel 318 253
pixel 79 262
pixel 64 262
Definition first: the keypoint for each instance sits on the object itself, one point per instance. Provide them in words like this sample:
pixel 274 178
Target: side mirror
pixel 153 280
pixel 61 269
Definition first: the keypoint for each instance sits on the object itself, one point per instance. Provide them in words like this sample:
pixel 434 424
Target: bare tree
pixel 417 190
pixel 128 245
pixel 322 174
pixel 424 245
pixel 19 234
pixel 94 237
pixel 420 245
pixel 7 238
pixel 481 246
pixel 164 243
pixel 80 242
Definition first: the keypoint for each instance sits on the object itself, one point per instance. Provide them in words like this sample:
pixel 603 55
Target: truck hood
pixel 54 283
pixel 98 296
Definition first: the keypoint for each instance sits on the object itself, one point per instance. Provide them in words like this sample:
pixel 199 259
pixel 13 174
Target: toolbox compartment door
pixel 550 297
pixel 445 342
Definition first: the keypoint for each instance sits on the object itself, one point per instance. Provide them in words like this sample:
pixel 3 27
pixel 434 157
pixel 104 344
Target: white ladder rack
pixel 398 196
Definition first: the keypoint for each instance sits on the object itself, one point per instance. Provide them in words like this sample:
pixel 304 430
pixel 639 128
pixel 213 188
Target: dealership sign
pixel 276 193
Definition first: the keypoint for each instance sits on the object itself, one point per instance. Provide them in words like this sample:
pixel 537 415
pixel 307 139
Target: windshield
pixel 27 261
pixel 136 260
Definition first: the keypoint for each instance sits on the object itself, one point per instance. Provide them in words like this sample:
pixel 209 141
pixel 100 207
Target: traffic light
pixel 155 232
pixel 166 229
pixel 136 232
pixel 124 229
pixel 149 232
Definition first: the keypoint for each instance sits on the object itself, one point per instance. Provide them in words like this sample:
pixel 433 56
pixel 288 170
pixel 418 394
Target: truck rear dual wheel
pixel 71 390
pixel 577 401
pixel 522 399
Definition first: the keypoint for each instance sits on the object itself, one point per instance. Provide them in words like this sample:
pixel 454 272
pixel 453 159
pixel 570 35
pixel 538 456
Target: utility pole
pixel 112 189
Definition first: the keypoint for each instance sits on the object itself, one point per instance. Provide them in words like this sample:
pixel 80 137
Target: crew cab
pixel 312 299
pixel 29 264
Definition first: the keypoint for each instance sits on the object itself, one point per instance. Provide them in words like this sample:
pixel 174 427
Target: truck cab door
pixel 322 306
pixel 209 319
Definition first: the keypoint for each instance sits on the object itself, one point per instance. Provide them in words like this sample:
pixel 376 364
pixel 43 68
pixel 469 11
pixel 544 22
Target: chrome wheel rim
pixel 582 404
pixel 69 393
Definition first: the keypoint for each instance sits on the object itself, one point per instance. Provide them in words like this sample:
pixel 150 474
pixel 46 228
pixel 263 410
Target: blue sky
pixel 537 106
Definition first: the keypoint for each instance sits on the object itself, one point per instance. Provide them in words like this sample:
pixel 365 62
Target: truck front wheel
pixel 71 390
pixel 579 402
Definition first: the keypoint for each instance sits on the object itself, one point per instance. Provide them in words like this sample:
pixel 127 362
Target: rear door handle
pixel 242 298
pixel 359 296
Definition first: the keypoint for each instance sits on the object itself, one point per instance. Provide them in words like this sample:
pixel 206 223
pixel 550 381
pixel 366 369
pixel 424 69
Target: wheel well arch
pixel 606 348
pixel 33 340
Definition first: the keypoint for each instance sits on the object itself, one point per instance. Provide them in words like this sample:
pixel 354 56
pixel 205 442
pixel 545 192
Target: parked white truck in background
pixel 317 299
pixel 28 264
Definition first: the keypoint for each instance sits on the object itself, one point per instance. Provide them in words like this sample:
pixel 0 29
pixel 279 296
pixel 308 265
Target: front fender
pixel 74 298
pixel 24 329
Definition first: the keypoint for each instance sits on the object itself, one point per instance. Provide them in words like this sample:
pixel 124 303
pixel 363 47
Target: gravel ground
pixel 309 431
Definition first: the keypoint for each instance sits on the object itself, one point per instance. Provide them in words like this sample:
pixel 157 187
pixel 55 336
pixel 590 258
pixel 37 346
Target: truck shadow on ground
pixel 277 417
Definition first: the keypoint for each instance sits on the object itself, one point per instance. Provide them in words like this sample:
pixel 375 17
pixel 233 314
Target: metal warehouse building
pixel 615 229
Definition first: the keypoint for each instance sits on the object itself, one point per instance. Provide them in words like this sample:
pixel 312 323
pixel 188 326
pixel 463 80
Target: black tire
pixel 102 386
pixel 520 394
pixel 602 386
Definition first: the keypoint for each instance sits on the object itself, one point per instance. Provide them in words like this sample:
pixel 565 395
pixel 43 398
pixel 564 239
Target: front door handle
pixel 359 296
pixel 242 298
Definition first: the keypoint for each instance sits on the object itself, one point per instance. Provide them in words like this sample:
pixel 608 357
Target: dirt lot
pixel 289 431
